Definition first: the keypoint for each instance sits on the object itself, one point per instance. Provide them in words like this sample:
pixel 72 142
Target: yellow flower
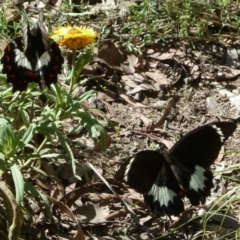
pixel 74 37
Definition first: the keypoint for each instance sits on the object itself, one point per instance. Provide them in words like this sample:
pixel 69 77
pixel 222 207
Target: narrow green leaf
pixel 27 136
pixel 59 95
pixel 85 96
pixel 18 182
pixel 24 115
pixel 45 151
pixel 67 148
pixel 13 212
pixel 52 155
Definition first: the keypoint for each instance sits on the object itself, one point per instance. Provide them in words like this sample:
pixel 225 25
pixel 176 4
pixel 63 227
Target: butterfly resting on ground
pixel 33 57
pixel 165 177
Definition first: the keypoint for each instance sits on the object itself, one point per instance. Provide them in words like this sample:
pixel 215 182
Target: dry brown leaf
pixel 88 69
pixel 184 217
pixel 158 77
pixel 138 77
pixel 169 144
pixel 226 73
pixel 127 79
pixel 170 104
pixel 97 112
pixel 147 122
pixel 65 209
pixel 194 69
pixel 92 213
pixel 167 53
pixel 195 72
pixel 48 168
pixel 166 56
pixel 141 87
pixel 220 155
pixel 117 214
pixel 126 69
pixel 110 108
pixel 208 76
pixel 73 196
pixel 129 99
pixel 133 60
pixel 107 96
pixel 109 54
pixel 100 146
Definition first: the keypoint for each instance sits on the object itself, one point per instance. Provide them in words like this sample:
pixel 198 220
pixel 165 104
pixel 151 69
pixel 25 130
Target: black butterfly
pixel 166 177
pixel 34 57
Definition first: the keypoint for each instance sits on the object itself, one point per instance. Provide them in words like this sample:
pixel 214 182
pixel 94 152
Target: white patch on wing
pixel 127 169
pixel 163 195
pixel 197 179
pixel 220 133
pixel 43 60
pixel 21 59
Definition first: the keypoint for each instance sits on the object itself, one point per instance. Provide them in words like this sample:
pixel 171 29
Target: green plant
pixel 31 129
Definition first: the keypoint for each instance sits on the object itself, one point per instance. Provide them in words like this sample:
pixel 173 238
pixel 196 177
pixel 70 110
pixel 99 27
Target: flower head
pixel 74 37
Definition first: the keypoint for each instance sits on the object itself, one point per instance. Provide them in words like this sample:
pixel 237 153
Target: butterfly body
pixel 34 57
pixel 165 177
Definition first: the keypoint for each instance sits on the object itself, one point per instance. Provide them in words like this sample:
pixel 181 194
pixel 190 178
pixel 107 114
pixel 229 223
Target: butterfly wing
pixel 149 173
pixel 15 62
pixel 34 57
pixel 13 59
pixel 194 153
pixel 49 56
pixel 202 145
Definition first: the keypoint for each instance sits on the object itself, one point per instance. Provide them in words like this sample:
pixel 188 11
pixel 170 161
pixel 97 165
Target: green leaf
pixel 44 151
pixel 91 124
pixel 27 136
pixel 59 95
pixel 13 212
pixel 52 155
pixel 6 136
pixel 85 96
pixel 18 182
pixel 24 115
pixel 102 132
pixel 68 149
pixel 81 62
